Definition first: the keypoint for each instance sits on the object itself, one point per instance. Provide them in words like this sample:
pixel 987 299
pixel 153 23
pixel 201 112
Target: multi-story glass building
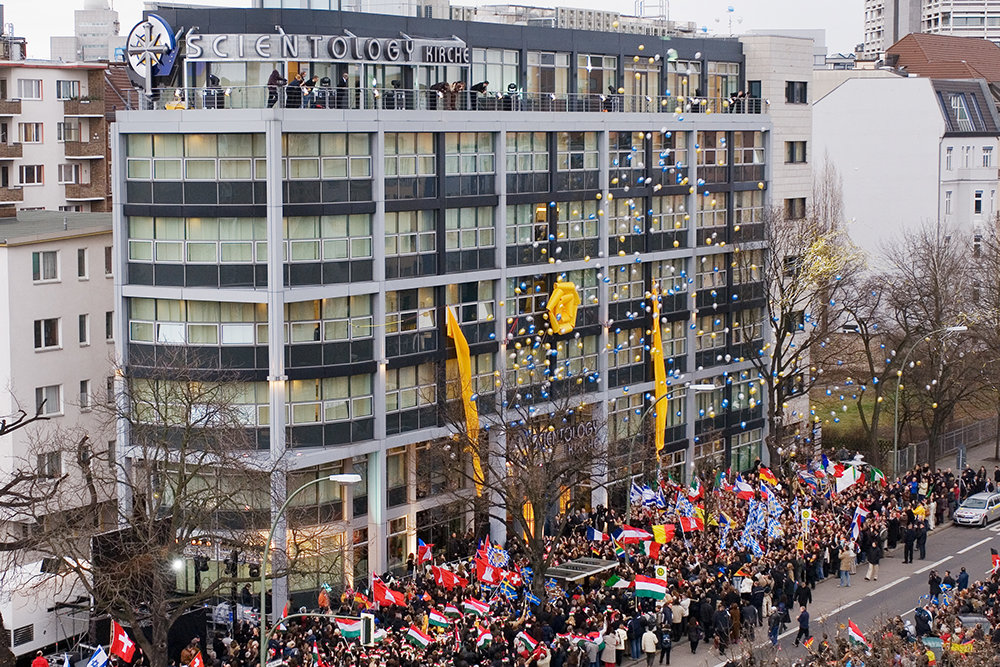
pixel 311 242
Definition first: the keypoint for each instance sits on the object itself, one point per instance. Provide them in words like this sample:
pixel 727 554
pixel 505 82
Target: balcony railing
pixel 83 107
pixel 10 107
pixel 84 191
pixel 13 194
pixel 84 149
pixel 427 99
pixel 10 151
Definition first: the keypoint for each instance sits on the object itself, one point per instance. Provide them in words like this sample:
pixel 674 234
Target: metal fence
pixel 968 435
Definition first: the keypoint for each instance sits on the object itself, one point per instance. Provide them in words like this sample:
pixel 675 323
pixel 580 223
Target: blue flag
pixel 532 598
pixel 99 659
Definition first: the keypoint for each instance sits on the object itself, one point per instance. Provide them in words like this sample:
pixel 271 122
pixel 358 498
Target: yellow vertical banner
pixel 659 375
pixel 465 380
pixel 529 519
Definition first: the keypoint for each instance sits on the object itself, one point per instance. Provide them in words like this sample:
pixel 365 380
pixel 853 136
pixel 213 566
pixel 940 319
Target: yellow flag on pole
pixel 465 380
pixel 659 375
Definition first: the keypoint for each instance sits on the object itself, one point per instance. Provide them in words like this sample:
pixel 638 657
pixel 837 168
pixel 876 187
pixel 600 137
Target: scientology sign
pixel 324 48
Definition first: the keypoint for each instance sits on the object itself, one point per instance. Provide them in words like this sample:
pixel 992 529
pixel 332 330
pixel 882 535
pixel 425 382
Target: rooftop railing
pixel 428 99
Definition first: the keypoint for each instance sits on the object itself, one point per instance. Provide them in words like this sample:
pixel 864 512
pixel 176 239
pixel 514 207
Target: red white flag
pixel 448 579
pixel 197 660
pixel 121 644
pixel 385 596
pixel 488 574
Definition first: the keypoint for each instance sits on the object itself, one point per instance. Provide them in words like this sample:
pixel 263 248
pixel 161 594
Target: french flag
pixel 596 535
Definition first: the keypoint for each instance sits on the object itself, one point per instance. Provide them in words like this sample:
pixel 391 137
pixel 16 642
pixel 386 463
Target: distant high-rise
pixel 888 21
pixel 95 35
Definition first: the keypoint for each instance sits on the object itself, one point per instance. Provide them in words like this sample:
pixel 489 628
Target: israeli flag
pixel 99 659
pixel 635 494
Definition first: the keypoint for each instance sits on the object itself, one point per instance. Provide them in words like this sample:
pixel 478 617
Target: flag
pixel 635 493
pixel 527 574
pixel 197 660
pixel 659 378
pixel 854 634
pixel 651 549
pixel 384 595
pixel 452 610
pixel 860 514
pixel 471 410
pixel 447 579
pixel 695 491
pixel 418 638
pixel 996 560
pixel 99 659
pixel 648 495
pixel 437 619
pixel 684 506
pixel 361 600
pixel 619 549
pixel 648 587
pixel 552 589
pixel 743 490
pixel 809 479
pixel 661 501
pixel 66 660
pixel 849 477
pixel 743 572
pixel 317 661
pixel 350 628
pixel 964 647
pixel 767 494
pixel 532 598
pixel 767 476
pixel 476 607
pixel 876 476
pixel 424 552
pixel 663 534
pixel 773 529
pixel 722 481
pixel 508 590
pixel 525 643
pixel 614 581
pixel 630 535
pixel 485 638
pixel 496 556
pixel 596 535
pixel 488 574
pixel 121 644
pixel 808 643
pixel 691 524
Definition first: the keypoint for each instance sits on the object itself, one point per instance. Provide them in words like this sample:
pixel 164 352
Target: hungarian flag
pixel 438 620
pixel 648 587
pixel 691 524
pixel 651 549
pixel 525 643
pixel 616 582
pixel 476 607
pixel 350 628
pixel 317 661
pixel 664 533
pixel 121 644
pixel 485 638
pixel 854 634
pixel 448 579
pixel 767 476
pixel 424 552
pixel 384 595
pixel 630 535
pixel 742 489
pixel 596 535
pixel 418 638
pixel 452 610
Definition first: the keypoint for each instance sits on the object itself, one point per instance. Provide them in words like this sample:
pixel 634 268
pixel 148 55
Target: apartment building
pixel 53 137
pixel 887 22
pixel 95 35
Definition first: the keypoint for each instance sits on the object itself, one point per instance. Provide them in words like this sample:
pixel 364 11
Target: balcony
pixel 85 192
pixel 10 107
pixel 81 108
pixel 87 150
pixel 10 151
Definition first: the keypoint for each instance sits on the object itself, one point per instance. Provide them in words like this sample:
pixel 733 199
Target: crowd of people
pixel 723 593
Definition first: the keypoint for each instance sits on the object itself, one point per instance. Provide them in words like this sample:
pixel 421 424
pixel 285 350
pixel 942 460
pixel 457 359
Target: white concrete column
pixel 377 556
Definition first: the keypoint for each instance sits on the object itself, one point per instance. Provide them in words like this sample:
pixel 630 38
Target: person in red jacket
pixel 39 660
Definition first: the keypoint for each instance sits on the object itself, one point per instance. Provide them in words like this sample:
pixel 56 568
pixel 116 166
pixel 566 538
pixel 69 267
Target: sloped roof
pixel 976 103
pixel 946 57
pixel 118 90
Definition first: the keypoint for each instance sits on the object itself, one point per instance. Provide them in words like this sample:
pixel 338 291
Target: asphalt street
pixel 897 592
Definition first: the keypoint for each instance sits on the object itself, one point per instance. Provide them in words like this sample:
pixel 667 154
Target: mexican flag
pixel 476 607
pixel 648 587
pixel 438 620
pixel 485 638
pixel 350 628
pixel 417 638
pixel 854 634
pixel 616 582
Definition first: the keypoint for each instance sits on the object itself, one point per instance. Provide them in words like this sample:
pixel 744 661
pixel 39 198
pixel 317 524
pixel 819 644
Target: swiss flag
pixel 447 578
pixel 384 595
pixel 488 574
pixel 197 660
pixel 121 644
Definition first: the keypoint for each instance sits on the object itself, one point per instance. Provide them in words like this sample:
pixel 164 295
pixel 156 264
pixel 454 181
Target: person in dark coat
pixel 908 539
pixel 803 595
pixel 274 84
pixel 874 557
pixel 963 580
pixel 694 634
pixel 343 91
pixel 293 92
pixel 666 643
pixel 803 625
pixel 922 539
pixel 723 627
pixel 934 585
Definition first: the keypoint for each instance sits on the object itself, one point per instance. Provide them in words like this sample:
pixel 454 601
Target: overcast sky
pixel 842 19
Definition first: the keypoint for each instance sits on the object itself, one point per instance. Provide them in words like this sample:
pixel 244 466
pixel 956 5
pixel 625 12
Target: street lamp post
pixel 350 478
pixel 899 374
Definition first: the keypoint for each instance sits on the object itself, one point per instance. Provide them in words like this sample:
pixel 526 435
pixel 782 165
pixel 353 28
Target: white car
pixel 978 510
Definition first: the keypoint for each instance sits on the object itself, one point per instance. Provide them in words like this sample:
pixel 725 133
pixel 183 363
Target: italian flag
pixel 651 549
pixel 616 582
pixel 438 620
pixel 350 628
pixel 876 476
pixel 648 587
pixel 452 610
pixel 417 638
pixel 484 639
pixel 476 607
pixel 854 634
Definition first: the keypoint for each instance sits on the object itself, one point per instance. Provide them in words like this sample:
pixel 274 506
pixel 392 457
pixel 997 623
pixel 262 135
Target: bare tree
pixel 985 320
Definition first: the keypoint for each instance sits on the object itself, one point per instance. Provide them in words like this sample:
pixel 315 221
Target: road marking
pixel 886 587
pixel 995 529
pixel 973 546
pixel 933 565
pixel 839 609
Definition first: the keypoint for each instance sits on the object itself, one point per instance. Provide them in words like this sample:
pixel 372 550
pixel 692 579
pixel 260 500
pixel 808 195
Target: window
pixel 796 92
pixel 711 332
pixel 987 156
pixel 29 89
pixel 50 465
pixel 410 387
pixel 966 157
pixel 47 333
pixel 947 202
pixel 84 394
pixel 67 90
pixel 109 389
pixel 410 232
pixel 795 152
pixel 68 131
pixel 962 117
pixel 31 174
pixel 29 133
pixel 947 157
pixel 81 263
pixel 48 400
pixel 108 261
pixel 109 326
pixel 83 329
pixel 795 208
pixel 69 173
pixel 45 265
pixel 977 202
pixel 468 228
pixel 410 310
